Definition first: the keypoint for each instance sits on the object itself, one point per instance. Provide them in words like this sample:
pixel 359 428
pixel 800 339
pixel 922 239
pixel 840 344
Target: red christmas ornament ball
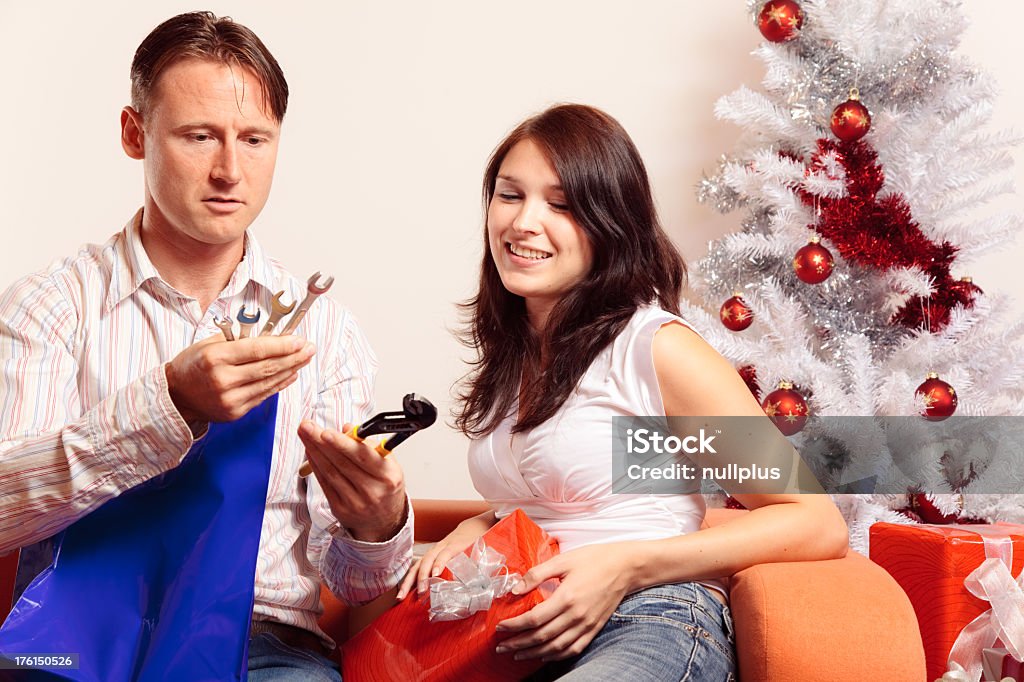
pixel 780 20
pixel 787 408
pixel 749 375
pixel 813 263
pixel 966 288
pixel 735 314
pixel 939 398
pixel 851 119
pixel 926 510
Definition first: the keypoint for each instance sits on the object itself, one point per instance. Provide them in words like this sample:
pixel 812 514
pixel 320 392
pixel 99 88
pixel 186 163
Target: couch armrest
pixel 844 619
pixel 837 620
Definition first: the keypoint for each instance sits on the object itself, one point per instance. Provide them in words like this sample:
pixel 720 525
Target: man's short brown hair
pixel 202 35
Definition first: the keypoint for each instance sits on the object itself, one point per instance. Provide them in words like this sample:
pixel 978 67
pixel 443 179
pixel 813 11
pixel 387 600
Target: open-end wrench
pixel 246 322
pixel 312 291
pixel 277 311
pixel 225 325
pixel 417 414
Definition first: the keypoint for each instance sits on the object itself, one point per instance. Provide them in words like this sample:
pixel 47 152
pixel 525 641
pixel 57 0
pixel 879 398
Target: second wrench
pixel 277 311
pixel 246 322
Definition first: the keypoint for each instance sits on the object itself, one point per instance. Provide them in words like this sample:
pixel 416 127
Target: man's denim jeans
pixel 270 660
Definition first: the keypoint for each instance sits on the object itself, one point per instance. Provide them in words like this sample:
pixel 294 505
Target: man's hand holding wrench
pixel 210 382
pixel 213 381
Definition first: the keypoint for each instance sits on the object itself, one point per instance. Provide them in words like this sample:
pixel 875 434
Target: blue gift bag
pixel 157 584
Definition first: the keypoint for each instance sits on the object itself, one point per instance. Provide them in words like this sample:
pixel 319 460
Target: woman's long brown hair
pixel 608 193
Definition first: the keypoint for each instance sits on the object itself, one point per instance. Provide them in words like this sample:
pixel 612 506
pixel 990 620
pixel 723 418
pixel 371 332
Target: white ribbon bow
pixel 991 582
pixel 480 578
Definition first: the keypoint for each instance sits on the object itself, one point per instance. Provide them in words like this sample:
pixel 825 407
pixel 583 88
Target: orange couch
pixel 838 620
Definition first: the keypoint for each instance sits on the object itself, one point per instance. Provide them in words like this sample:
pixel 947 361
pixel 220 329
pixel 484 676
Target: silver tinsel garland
pixel 827 72
pixel 839 307
pixel 826 76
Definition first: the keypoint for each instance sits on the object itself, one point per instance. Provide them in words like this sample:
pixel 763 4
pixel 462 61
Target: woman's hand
pixel 594 579
pixel 433 562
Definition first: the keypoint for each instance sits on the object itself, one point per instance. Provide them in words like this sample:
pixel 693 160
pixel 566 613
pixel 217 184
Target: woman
pixel 576 321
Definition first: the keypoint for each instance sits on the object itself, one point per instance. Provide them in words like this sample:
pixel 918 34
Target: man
pixel 111 366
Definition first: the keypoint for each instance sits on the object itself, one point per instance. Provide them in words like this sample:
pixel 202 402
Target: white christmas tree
pixel 857 322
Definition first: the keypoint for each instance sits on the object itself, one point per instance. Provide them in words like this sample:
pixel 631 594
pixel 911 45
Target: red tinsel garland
pixel 882 233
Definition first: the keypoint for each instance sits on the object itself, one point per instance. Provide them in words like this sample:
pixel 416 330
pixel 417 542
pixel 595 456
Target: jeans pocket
pixel 730 628
pixel 715 628
pixel 676 621
pixel 725 646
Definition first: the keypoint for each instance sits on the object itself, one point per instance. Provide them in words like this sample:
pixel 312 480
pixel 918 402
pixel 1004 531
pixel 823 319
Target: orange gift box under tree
pixel 930 563
pixel 403 644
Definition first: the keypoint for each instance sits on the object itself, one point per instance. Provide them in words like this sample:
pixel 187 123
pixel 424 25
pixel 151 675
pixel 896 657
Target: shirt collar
pixel 255 267
pixel 133 266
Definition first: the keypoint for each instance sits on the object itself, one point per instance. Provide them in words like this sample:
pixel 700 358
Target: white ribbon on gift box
pixel 480 578
pixel 991 582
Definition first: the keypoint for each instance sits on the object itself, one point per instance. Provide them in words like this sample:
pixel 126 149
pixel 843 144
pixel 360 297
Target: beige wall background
pixel 395 107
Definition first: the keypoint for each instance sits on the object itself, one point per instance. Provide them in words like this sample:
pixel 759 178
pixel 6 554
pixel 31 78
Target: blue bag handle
pixel 157 584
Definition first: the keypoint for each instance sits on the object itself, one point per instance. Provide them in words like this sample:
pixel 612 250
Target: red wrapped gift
pixel 1000 664
pixel 931 563
pixel 403 644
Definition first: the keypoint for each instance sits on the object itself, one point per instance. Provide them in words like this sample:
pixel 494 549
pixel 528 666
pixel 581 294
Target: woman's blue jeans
pixel 669 632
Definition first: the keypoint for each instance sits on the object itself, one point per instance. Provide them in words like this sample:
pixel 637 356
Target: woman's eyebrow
pixel 511 178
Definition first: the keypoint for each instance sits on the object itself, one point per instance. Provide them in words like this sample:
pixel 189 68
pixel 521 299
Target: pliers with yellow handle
pixel 417 414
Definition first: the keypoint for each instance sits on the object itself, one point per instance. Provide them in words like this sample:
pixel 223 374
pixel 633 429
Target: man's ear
pixel 132 134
